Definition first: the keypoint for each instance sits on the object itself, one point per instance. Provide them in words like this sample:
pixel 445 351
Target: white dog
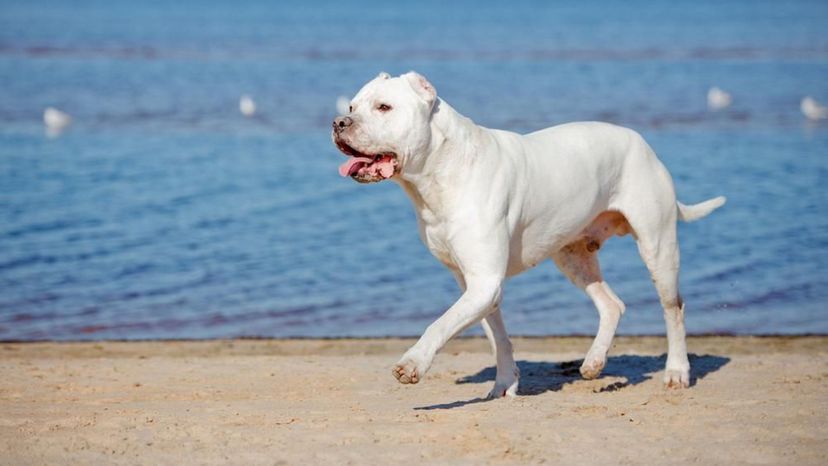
pixel 491 204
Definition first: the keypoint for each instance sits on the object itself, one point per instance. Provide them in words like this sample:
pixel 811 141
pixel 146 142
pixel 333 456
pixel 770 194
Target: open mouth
pixel 366 168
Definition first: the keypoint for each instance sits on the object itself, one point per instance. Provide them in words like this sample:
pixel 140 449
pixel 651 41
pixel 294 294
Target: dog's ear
pixel 383 75
pixel 422 87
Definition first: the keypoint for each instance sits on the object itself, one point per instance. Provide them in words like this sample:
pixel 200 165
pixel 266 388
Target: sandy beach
pixel 755 400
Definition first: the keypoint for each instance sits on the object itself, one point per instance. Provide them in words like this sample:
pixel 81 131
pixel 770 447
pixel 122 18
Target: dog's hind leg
pixel 661 255
pixel 579 262
pixel 506 380
pixel 658 245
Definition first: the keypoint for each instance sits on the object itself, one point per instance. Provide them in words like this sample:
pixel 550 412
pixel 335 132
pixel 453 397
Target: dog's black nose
pixel 342 122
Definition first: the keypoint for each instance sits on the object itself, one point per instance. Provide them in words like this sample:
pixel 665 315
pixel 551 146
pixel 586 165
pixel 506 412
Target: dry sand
pixel 755 400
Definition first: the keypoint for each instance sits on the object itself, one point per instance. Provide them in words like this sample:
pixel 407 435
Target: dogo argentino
pixel 491 204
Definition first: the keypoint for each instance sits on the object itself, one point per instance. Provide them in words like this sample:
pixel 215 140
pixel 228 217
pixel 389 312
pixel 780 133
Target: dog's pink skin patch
pixel 386 167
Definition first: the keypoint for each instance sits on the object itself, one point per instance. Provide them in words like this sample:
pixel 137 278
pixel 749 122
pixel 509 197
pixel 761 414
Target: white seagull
pixel 247 106
pixel 718 99
pixel 812 109
pixel 343 105
pixel 55 120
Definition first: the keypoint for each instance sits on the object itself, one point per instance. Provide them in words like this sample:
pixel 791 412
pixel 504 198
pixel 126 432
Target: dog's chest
pixel 434 233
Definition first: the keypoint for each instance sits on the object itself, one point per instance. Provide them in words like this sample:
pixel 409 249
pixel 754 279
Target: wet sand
pixel 755 400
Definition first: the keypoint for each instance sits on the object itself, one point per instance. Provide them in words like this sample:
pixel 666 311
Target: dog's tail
pixel 691 213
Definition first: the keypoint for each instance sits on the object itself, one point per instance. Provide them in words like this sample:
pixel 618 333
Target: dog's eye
pixel 383 107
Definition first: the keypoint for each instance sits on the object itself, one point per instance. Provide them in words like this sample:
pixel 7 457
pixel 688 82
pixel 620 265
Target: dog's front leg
pixel 480 298
pixel 506 381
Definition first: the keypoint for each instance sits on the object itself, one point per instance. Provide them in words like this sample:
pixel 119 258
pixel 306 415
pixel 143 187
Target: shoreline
pixel 295 401
pixel 741 344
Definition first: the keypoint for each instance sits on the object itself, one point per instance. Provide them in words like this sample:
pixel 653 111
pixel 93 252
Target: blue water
pixel 163 213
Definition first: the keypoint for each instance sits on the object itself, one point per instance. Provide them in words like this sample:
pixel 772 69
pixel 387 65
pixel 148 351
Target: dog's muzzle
pixel 341 123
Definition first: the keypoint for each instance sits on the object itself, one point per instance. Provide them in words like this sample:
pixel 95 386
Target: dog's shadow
pixel 541 377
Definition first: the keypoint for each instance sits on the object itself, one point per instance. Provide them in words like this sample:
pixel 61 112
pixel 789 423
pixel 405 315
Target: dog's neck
pixel 451 141
pixel 450 126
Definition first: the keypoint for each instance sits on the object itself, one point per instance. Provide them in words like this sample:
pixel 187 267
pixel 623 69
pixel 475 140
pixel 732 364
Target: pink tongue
pixel 352 165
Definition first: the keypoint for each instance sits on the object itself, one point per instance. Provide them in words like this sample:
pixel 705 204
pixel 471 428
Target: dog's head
pixel 388 124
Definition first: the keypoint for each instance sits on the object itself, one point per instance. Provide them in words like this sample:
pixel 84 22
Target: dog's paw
pixel 677 378
pixel 592 367
pixel 407 371
pixel 506 385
